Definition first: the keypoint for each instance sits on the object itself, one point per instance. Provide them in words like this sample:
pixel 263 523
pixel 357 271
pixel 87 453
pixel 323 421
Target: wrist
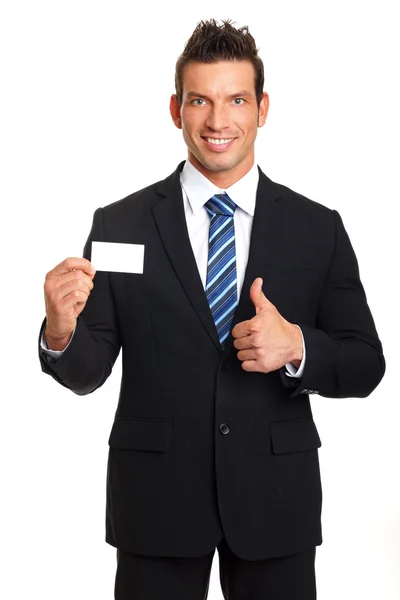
pixel 56 342
pixel 296 352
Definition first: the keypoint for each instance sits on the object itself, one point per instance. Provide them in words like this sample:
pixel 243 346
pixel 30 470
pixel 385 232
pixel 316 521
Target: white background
pixel 84 122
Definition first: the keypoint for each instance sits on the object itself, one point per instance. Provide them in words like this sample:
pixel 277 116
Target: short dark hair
pixel 211 42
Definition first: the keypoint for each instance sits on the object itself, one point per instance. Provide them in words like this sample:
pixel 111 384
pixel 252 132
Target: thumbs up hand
pixel 266 342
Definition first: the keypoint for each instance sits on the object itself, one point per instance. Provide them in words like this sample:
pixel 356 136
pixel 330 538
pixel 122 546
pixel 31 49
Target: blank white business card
pixel 120 258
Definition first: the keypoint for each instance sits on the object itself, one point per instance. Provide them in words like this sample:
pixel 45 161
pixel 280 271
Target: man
pixel 250 300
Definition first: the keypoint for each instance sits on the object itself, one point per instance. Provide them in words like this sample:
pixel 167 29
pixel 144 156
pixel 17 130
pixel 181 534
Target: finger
pixel 251 366
pixel 78 276
pixel 54 298
pixel 71 263
pixel 243 343
pixel 257 296
pixel 247 355
pixel 241 329
pixel 73 285
pixel 62 306
pixel 76 297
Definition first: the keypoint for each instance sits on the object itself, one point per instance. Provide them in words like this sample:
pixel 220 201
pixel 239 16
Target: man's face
pixel 219 116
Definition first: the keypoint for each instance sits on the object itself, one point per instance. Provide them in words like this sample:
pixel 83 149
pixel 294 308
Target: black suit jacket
pixel 199 448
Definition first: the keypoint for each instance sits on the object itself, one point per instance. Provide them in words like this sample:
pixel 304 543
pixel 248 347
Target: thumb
pixel 257 295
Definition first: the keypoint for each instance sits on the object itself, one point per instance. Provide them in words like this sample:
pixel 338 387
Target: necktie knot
pixel 220 204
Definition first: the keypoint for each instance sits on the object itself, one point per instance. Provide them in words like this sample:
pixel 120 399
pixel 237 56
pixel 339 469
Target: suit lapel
pixel 171 223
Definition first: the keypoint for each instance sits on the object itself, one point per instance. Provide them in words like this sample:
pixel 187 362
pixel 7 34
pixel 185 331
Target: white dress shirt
pixel 196 190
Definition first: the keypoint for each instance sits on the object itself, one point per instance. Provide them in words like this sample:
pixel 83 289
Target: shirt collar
pixel 199 189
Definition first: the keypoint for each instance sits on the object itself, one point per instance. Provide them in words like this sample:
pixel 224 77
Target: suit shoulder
pixel 139 200
pixel 145 198
pixel 300 212
pixel 298 202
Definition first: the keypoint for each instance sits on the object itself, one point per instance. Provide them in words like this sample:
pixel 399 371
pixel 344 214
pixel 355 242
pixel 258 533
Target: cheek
pixel 249 125
pixel 194 119
pixel 188 118
pixel 187 127
pixel 250 134
pixel 187 136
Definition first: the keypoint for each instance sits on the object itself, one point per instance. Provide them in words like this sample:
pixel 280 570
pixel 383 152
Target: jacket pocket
pixel 140 434
pixel 294 436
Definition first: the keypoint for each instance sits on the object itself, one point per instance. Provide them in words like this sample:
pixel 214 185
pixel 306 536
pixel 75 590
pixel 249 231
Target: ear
pixel 175 111
pixel 263 109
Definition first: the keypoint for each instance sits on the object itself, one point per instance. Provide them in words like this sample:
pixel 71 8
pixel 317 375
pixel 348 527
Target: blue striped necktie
pixel 221 284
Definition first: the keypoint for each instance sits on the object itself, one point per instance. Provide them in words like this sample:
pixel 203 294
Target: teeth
pixel 217 142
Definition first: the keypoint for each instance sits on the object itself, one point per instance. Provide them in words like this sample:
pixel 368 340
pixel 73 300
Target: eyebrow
pixel 241 94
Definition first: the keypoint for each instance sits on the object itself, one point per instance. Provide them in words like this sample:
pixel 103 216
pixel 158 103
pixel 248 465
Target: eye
pixel 237 104
pixel 197 100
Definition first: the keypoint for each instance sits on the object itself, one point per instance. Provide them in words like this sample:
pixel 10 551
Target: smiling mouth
pixel 218 141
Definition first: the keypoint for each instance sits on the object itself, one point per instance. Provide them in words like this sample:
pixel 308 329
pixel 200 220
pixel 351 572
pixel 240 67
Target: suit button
pixel 224 428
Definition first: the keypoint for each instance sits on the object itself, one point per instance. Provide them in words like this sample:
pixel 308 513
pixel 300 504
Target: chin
pixel 218 164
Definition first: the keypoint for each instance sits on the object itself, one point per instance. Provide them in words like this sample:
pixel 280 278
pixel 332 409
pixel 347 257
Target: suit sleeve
pixel 88 360
pixel 344 353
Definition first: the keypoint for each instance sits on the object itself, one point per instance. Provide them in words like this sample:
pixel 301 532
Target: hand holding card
pixel 66 290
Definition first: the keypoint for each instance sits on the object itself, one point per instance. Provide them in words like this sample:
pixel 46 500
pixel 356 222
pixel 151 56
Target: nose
pixel 217 118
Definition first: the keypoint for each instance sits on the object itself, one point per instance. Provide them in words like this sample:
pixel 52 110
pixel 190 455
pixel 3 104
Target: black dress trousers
pixel 158 578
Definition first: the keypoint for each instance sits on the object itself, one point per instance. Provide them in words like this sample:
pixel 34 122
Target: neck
pixel 223 179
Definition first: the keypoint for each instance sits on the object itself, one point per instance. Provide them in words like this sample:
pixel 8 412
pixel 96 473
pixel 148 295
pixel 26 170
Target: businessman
pixel 249 301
